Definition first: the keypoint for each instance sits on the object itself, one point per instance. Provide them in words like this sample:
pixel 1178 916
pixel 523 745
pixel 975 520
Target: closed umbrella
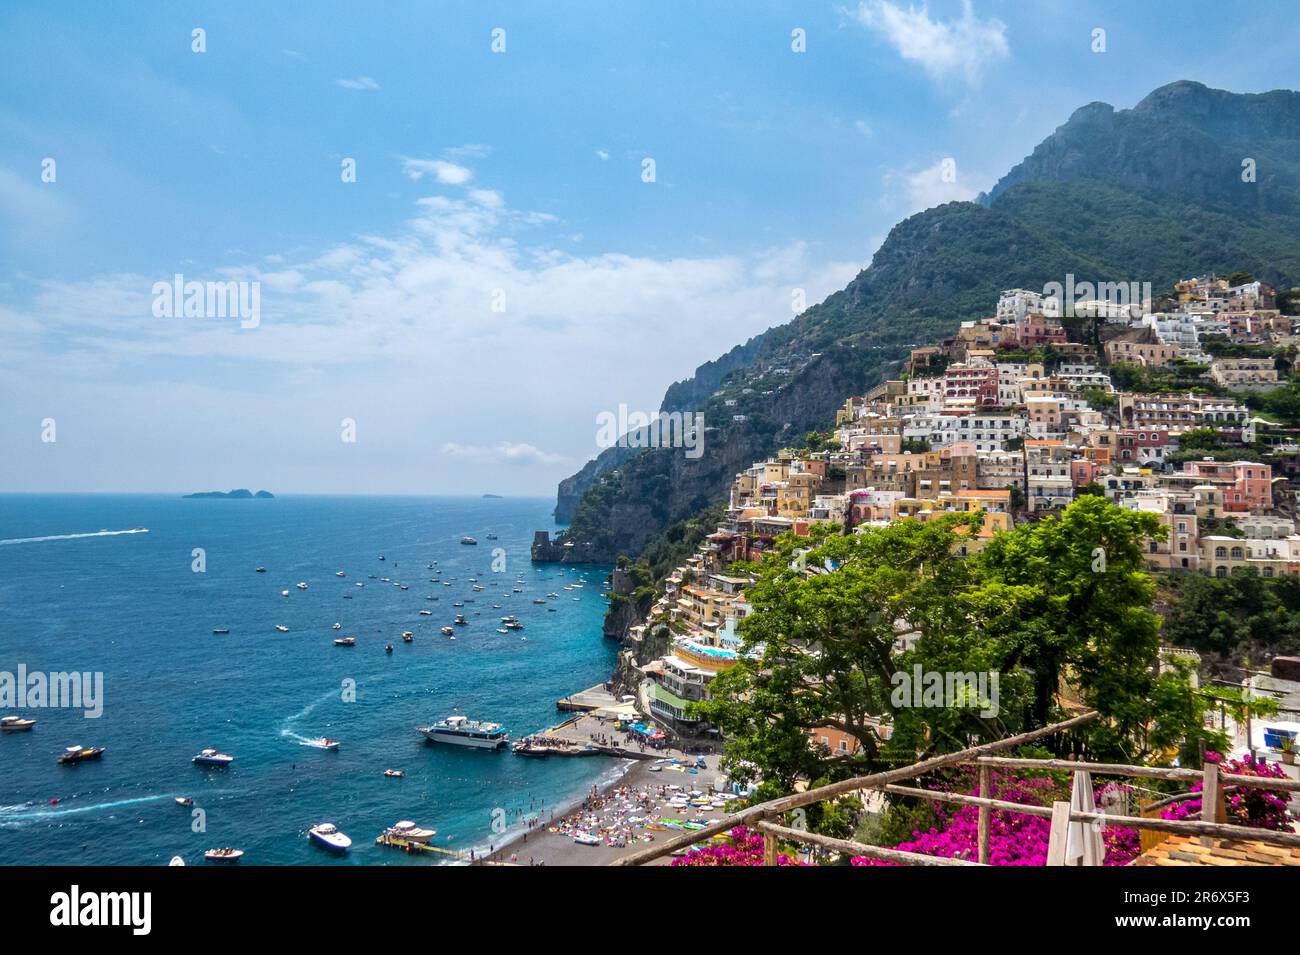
pixel 1083 843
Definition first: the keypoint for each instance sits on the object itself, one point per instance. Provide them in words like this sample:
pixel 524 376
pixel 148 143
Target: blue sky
pixel 512 178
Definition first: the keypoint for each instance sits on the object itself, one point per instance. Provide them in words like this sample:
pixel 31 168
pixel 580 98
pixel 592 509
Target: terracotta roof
pixel 1181 850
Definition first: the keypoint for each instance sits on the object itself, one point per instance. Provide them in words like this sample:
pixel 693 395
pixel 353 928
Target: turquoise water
pixel 131 606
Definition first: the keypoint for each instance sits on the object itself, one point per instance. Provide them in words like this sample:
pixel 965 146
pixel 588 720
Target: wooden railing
pixel 1212 824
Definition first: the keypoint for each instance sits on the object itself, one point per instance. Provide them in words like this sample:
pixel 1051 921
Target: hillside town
pixel 1013 418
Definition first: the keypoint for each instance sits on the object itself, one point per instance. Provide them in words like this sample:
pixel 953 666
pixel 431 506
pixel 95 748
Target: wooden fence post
pixel 1060 833
pixel 986 813
pixel 1212 808
pixel 769 849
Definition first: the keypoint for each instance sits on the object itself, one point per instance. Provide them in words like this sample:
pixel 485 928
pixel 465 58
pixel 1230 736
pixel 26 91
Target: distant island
pixel 496 497
pixel 239 492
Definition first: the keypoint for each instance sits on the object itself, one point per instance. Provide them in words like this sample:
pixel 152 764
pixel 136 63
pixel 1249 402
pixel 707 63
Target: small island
pixel 494 497
pixel 242 493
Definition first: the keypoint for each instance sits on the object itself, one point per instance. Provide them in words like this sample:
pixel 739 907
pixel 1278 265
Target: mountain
pixel 1150 194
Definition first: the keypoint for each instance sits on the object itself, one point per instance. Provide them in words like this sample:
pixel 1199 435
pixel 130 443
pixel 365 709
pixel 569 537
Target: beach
pixel 622 812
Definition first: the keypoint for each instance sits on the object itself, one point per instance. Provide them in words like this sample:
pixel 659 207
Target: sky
pixel 472 227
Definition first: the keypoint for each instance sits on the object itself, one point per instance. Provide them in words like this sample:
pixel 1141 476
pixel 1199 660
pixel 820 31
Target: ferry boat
pixel 80 754
pixel 462 731
pixel 224 855
pixel 15 724
pixel 328 836
pixel 210 757
pixel 345 642
pixel 468 540
pixel 410 832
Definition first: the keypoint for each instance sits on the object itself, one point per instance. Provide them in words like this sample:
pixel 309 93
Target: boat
pixel 458 603
pixel 502 630
pixel 538 600
pixel 284 593
pixel 224 855
pixel 220 629
pixel 461 621
pixel 381 556
pixel 408 637
pixel 388 648
pixel 15 724
pixel 301 585
pixel 210 757
pixel 80 754
pixel 586 839
pixel 328 836
pixel 338 626
pixel 325 742
pixel 345 642
pixel 260 570
pixel 426 613
pixel 339 573
pixel 492 537
pixel 184 801
pixel 410 832
pixel 514 625
pixel 282 628
pixel 447 630
pixel 176 860
pixel 407 633
pixel 477 587
pixel 462 731
pixel 394 773
pixel 468 540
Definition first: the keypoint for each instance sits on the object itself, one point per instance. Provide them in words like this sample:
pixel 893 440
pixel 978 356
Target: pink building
pixel 1247 485
pixel 1084 471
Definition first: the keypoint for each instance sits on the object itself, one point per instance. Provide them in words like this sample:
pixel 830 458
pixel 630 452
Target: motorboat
pixel 492 537
pixel 282 628
pixel 426 613
pixel 325 742
pixel 460 620
pixel 410 832
pixel 259 570
pixel 468 540
pixel 388 648
pixel 462 731
pixel 328 836
pixel 210 757
pixel 339 573
pixel 502 630
pixel 176 860
pixel 184 801
pixel 80 754
pixel 345 642
pixel 408 637
pixel 394 773
pixel 284 593
pixel 220 629
pixel 446 630
pixel 586 839
pixel 407 633
pixel 301 585
pixel 338 626
pixel 514 625
pixel 15 724
pixel 224 855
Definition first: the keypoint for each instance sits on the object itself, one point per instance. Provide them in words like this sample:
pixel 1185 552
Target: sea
pixel 132 587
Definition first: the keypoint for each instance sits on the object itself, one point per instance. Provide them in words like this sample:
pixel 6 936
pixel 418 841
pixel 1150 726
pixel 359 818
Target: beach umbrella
pixel 1083 843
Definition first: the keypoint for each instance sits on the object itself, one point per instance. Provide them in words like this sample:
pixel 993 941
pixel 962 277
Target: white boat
pixel 284 593
pixel 282 628
pixel 462 731
pixel 339 573
pixel 176 860
pixel 446 630
pixel 426 613
pixel 210 757
pixel 327 835
pixel 468 540
pixel 301 585
pixel 325 742
pixel 184 801
pixel 345 642
pixel 410 831
pixel 15 724
pixel 586 839
pixel 224 855
pixel 338 626
pixel 394 773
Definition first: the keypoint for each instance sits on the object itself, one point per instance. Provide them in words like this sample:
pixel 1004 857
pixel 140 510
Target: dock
pixel 595 698
pixel 406 845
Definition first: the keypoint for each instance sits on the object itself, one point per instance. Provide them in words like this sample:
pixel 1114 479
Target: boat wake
pixel 16 816
pixel 72 537
pixel 287 727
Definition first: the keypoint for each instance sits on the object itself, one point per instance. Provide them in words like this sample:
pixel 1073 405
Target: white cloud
pixel 602 155
pixel 942 182
pixel 449 173
pixel 505 452
pixel 962 46
pixel 359 83
pixel 863 128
